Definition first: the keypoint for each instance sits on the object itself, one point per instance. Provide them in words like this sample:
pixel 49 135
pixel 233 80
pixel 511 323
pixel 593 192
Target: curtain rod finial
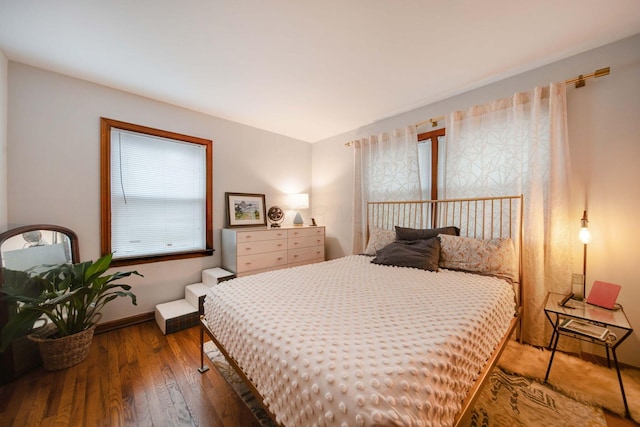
pixel 602 72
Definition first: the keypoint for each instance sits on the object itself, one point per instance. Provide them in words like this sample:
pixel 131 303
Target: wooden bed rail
pixel 204 328
pixel 464 416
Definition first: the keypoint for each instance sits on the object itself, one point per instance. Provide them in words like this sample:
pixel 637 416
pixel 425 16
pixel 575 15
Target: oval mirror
pixel 30 247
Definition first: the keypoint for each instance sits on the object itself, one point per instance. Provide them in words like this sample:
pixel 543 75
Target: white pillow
pixel 378 239
pixel 495 257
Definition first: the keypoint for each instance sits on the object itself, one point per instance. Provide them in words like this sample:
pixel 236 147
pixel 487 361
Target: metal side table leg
pixel 553 353
pixel 624 396
pixel 553 336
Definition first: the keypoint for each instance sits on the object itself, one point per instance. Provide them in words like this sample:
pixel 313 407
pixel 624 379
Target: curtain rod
pixel 579 81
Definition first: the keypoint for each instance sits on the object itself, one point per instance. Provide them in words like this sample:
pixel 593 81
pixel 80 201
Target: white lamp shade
pixel 299 201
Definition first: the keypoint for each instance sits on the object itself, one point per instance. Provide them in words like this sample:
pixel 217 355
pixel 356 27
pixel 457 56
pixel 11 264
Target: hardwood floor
pixel 134 376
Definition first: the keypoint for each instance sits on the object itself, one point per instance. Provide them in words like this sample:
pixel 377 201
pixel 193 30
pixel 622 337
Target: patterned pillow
pixel 378 239
pixel 494 257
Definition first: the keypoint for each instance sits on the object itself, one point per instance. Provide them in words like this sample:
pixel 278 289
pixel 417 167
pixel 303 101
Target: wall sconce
pixel 585 238
pixel 296 202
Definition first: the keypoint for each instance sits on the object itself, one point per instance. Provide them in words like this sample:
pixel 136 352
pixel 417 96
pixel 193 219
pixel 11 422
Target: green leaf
pixel 71 296
pixel 21 284
pixel 98 268
pixel 17 326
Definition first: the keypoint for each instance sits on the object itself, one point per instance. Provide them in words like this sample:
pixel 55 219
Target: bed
pixel 404 334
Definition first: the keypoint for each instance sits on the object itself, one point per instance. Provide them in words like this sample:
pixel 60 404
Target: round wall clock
pixel 275 215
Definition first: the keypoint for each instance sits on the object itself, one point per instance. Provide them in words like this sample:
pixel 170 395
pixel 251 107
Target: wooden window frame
pixel 433 136
pixel 105 190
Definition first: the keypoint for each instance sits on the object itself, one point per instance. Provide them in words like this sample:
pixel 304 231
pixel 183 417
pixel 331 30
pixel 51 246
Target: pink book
pixel 603 294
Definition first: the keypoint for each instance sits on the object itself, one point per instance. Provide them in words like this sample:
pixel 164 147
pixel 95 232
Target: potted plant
pixel 70 297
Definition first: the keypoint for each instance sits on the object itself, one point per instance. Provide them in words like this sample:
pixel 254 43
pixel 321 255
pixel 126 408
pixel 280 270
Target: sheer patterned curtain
pixel 519 145
pixel 385 168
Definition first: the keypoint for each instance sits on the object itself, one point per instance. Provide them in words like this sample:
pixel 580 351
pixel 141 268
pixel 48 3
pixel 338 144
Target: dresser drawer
pixel 260 261
pixel 304 255
pixel 305 242
pixel 263 270
pixel 255 236
pixel 306 232
pixel 261 246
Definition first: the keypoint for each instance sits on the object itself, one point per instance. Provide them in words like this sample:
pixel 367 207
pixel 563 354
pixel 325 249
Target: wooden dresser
pixel 251 251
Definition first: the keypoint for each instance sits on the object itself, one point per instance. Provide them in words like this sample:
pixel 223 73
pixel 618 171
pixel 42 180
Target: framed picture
pixel 246 210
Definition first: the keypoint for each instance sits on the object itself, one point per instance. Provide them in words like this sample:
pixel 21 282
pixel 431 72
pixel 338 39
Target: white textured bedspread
pixel 350 343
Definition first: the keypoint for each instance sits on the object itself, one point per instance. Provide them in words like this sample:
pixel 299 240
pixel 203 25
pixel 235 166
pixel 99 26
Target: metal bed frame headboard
pixel 481 218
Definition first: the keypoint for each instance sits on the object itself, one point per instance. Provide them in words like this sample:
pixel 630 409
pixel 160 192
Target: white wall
pixel 54 167
pixel 604 132
pixel 4 73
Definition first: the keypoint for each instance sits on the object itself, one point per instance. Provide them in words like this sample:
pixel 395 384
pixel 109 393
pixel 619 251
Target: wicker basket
pixel 61 353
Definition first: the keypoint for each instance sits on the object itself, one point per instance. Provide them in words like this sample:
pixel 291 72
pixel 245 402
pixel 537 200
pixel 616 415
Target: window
pixel 156 189
pixel 430 161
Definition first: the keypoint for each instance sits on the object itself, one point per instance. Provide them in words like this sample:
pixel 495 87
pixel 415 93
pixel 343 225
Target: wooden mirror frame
pixel 8 368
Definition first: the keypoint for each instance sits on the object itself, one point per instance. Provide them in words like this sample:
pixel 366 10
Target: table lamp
pixel 585 238
pixel 296 202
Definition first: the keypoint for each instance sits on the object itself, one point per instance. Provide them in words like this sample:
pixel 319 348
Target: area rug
pixel 512 400
pixel 506 400
pixel 579 379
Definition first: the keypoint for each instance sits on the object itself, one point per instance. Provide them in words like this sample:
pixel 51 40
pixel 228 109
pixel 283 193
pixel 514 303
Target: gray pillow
pixel 422 254
pixel 404 233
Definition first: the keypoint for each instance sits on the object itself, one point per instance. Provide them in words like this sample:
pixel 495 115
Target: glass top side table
pixel 586 322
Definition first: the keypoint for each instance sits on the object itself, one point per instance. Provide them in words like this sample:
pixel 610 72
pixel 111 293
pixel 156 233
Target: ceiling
pixel 305 69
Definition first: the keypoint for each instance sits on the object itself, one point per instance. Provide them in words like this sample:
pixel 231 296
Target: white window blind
pixel 158 195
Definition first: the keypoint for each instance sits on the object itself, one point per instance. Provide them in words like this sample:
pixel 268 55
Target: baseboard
pixel 121 323
pixel 602 360
pixel 588 357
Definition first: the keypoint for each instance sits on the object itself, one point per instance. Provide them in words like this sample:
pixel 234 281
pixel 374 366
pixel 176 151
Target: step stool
pixel 213 276
pixel 181 314
pixel 195 294
pixel 176 315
